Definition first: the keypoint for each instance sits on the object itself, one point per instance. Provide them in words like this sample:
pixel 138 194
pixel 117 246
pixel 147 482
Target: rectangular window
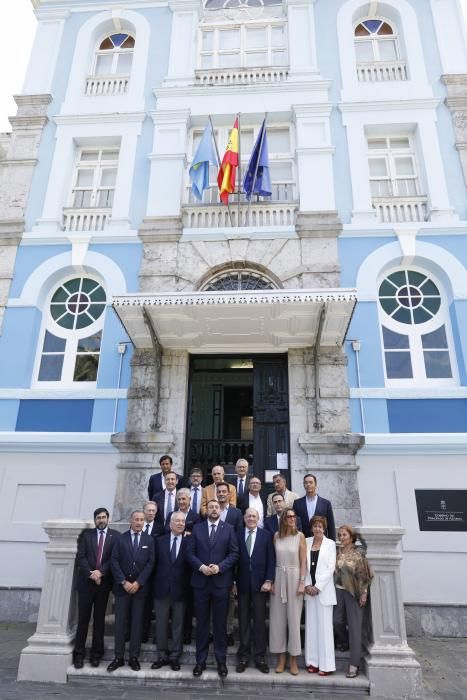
pixel 94 179
pixel 436 354
pixel 393 168
pixel 53 354
pixel 87 359
pixel 254 45
pixel 397 355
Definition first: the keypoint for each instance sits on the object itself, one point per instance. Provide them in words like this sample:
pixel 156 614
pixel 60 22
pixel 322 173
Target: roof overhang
pixel 252 321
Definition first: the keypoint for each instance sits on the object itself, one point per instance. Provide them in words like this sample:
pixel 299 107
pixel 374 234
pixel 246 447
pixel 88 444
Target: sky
pixel 19 24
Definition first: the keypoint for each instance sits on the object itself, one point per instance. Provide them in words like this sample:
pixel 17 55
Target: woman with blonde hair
pixel 286 600
pixel 352 578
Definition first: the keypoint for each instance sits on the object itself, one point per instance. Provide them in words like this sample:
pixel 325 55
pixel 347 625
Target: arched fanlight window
pixel 114 55
pixel 375 40
pixel 237 280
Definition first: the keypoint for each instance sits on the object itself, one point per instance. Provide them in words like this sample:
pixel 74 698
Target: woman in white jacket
pixel 320 598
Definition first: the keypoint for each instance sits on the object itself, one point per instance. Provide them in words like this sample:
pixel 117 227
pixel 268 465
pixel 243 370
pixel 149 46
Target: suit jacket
pixel 324 570
pixel 234 517
pixel 157 528
pixel 289 498
pixel 209 494
pixel 233 481
pixel 161 516
pixel 155 485
pixel 323 507
pixel 190 521
pixel 171 579
pixel 253 571
pixel 127 567
pixel 271 523
pixel 86 558
pixel 223 552
pixel 246 504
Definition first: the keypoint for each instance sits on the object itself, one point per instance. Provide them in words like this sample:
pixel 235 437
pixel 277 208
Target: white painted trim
pixel 56 442
pixel 414 443
pixel 428 228
pixel 59 238
pixel 236 232
pixel 79 119
pixel 75 393
pixel 410 393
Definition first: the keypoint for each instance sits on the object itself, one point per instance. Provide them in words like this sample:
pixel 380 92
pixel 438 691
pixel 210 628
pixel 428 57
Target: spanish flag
pixel 227 171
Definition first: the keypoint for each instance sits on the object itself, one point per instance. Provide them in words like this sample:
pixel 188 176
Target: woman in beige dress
pixel 286 600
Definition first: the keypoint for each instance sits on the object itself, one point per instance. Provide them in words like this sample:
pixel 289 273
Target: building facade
pixel 321 329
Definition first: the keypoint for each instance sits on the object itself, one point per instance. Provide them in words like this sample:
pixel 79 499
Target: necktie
pixel 240 489
pixel 249 542
pixel 212 534
pixel 135 544
pixel 173 551
pixel 147 529
pixel 100 547
pixel 170 506
pixel 194 505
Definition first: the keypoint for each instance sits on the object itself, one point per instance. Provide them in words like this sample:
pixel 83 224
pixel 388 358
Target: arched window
pixel 114 55
pixel 377 51
pixel 237 280
pixel 72 331
pixel 415 327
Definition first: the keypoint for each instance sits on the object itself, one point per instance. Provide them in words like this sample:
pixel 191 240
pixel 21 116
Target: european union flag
pixel 257 178
pixel 199 170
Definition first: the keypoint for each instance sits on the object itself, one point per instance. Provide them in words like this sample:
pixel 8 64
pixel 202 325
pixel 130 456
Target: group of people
pixel 192 550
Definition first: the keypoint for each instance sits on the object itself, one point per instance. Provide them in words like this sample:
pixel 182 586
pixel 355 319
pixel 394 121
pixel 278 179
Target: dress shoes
pixel 222 670
pixel 241 666
pixel 175 665
pixel 95 662
pixel 198 670
pixel 116 663
pixel 134 664
pixel 78 661
pixel 262 666
pixel 230 640
pixel 159 663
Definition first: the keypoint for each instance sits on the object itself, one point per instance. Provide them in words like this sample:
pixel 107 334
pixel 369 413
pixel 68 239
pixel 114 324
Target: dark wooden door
pixel 270 413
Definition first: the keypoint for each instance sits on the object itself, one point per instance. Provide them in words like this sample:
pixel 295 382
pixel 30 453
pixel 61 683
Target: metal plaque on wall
pixel 444 511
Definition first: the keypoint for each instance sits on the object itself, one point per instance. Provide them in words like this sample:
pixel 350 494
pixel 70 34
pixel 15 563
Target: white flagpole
pixel 219 163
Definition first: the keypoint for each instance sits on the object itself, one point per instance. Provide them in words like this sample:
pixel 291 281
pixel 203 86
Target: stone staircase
pixel 249 682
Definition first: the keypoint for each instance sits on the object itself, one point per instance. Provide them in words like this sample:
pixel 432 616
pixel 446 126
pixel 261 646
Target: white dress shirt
pixel 166 502
pixel 311 506
pixel 179 541
pixel 149 529
pixel 256 503
pixel 253 537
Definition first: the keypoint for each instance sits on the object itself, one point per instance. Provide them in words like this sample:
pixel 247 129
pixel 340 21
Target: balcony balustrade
pixel 243 76
pixel 401 209
pixel 91 219
pixel 380 71
pixel 106 85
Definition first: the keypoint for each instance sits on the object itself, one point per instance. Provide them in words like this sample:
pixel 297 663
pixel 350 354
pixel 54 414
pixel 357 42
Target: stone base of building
pixel 19 604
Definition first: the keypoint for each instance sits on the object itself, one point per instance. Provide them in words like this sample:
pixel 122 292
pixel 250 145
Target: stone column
pixel 456 100
pixel 49 651
pixel 392 668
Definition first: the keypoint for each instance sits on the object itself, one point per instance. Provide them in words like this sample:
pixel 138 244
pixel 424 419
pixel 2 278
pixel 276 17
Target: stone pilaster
pixel 457 102
pixel 18 158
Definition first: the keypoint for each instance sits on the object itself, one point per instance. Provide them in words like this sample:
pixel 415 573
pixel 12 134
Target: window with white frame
pixel 114 55
pixel 72 331
pixel 281 161
pixel 375 40
pixel 392 166
pixel 256 44
pixel 94 178
pixel 415 328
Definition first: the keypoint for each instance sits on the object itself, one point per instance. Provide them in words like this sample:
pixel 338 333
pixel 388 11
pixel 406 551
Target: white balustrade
pixel 381 71
pixel 85 219
pixel 106 85
pixel 241 77
pixel 401 209
pixel 217 216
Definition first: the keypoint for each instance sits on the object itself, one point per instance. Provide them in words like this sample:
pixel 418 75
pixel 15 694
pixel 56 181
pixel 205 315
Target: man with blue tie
pixel 132 563
pixel 255 575
pixel 166 500
pixel 94 583
pixel 212 554
pixel 171 581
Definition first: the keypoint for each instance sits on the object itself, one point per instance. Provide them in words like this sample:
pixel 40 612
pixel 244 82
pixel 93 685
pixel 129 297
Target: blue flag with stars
pixel 259 166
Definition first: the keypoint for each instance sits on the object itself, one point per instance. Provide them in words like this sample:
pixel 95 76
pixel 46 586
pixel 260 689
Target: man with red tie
pixel 93 585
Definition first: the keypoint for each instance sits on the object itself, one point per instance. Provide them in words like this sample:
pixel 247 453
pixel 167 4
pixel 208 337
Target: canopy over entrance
pixel 257 321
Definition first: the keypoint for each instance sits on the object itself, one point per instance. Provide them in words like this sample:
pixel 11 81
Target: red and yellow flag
pixel 228 170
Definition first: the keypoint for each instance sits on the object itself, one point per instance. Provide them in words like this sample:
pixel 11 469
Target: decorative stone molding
pixel 392 668
pixel 457 103
pixel 317 224
pixel 331 443
pixel 161 229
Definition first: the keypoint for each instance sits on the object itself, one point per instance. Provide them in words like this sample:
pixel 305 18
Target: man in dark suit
pixel 157 481
pixel 240 481
pixel 255 575
pixel 182 500
pixel 93 585
pixel 311 504
pixel 271 523
pixel 171 582
pixel 152 526
pixel 166 499
pixel 228 513
pixel 212 554
pixel 132 563
pixel 254 499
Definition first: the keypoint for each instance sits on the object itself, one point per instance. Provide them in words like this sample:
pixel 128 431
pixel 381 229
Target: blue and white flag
pixel 199 170
pixel 257 178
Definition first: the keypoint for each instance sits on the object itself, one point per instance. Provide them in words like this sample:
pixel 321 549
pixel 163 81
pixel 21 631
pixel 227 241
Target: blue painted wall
pixel 55 416
pixel 428 416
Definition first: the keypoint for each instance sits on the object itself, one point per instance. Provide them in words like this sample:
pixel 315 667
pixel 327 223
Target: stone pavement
pixel 443 660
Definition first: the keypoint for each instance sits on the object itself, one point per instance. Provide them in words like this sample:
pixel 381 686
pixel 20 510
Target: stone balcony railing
pixel 106 85
pixel 258 214
pixel 381 71
pixel 92 219
pixel 241 76
pixel 401 209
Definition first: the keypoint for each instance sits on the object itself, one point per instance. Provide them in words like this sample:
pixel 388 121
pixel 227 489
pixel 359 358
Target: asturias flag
pixel 199 170
pixel 259 164
pixel 227 171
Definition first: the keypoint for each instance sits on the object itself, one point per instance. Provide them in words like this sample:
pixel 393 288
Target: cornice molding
pixel 388 105
pixel 110 118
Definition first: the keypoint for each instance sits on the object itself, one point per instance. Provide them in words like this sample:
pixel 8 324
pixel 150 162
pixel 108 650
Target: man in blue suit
pixel 132 563
pixel 228 513
pixel 271 523
pixel 157 481
pixel 212 554
pixel 171 580
pixel 255 575
pixel 311 504
pixel 182 500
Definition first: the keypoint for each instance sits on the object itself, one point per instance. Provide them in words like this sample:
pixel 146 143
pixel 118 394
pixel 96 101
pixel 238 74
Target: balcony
pixel 204 453
pixel 401 209
pixel 106 85
pixel 380 72
pixel 92 219
pixel 243 76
